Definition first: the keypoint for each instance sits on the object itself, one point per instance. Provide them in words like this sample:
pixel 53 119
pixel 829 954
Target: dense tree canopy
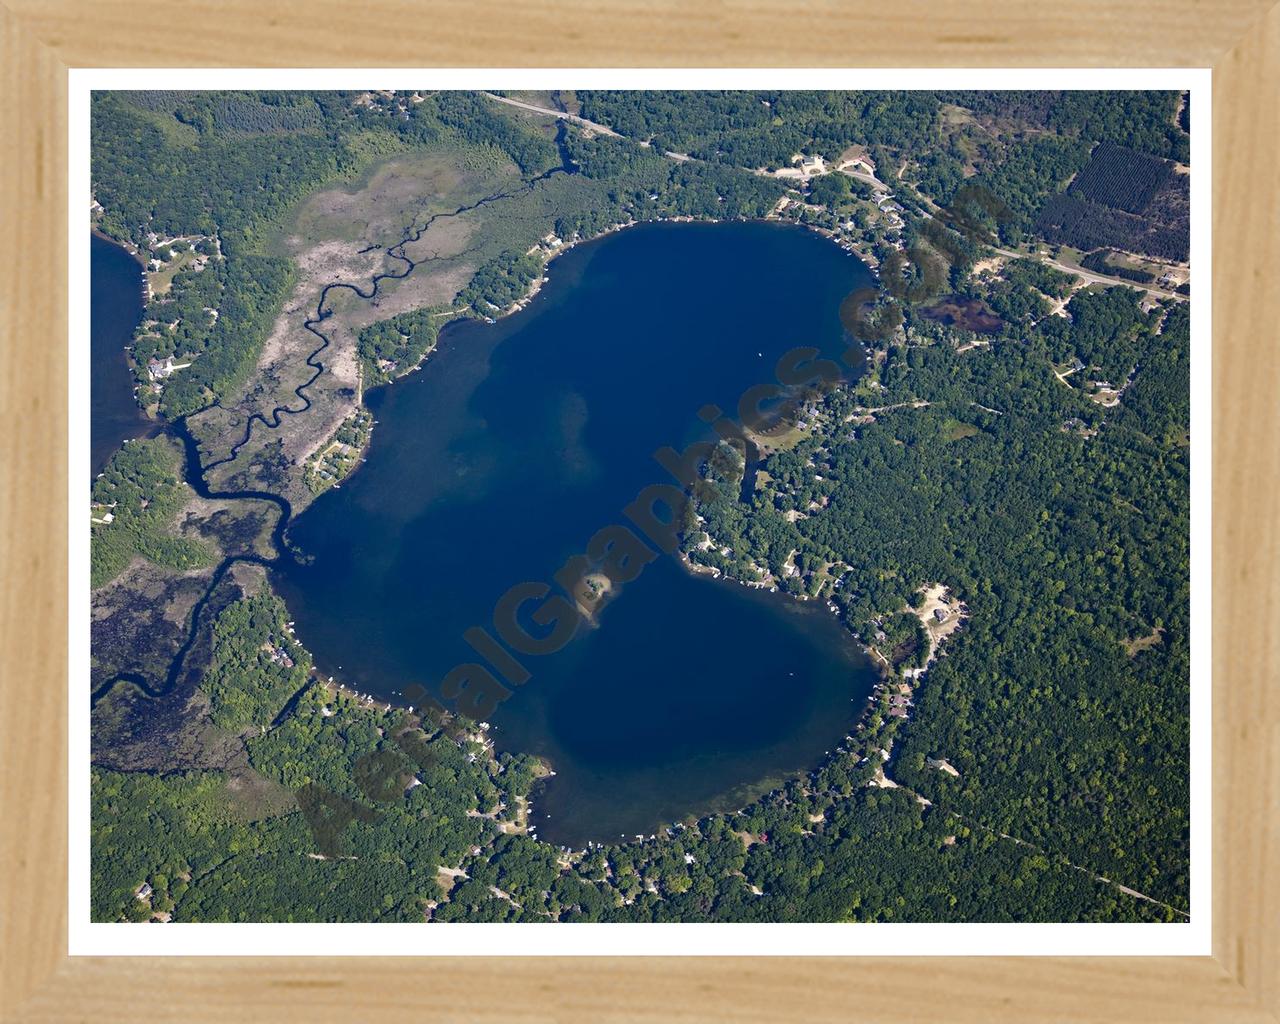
pixel 1041 476
pixel 135 502
pixel 1062 523
pixel 349 813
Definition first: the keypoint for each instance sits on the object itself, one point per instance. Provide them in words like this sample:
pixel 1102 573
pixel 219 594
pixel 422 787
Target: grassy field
pixel 954 430
pixel 161 280
pixel 340 234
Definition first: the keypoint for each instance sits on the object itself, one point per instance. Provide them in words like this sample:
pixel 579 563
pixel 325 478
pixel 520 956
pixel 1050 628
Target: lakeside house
pixel 810 165
pixel 159 370
pixel 278 655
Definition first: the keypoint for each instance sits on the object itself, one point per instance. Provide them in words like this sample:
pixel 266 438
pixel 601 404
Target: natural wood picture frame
pixel 41 39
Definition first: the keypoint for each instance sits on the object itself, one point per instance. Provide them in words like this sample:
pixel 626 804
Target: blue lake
pixel 513 445
pixel 115 284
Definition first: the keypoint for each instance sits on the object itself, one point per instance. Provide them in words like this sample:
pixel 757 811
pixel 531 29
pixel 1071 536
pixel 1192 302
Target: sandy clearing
pixel 1139 644
pixel 937 597
pixel 447 878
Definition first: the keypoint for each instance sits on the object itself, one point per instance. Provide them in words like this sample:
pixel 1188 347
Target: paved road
pixel 870 179
pixel 1088 276
pixel 1091 278
pixel 554 113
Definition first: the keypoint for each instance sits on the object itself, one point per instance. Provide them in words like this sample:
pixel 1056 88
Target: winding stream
pixel 195 469
pixel 526 437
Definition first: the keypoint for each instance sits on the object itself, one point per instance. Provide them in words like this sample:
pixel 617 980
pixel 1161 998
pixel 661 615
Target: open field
pixel 160 281
pixel 341 235
pixel 471 207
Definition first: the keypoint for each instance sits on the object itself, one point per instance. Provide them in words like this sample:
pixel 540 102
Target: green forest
pixel 1023 148
pixel 1064 555
pixel 224 169
pixel 214 319
pixel 392 347
pixel 135 502
pixel 1064 527
pixel 256 664
pixel 501 282
pixel 349 812
pixel 219 171
pixel 1036 464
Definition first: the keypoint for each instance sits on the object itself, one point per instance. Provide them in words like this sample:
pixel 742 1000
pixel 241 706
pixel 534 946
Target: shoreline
pixel 518 306
pixel 150 413
pixel 368 702
pixel 590 613
pixel 563 249
pixel 481 733
pixel 128 247
pixel 115 382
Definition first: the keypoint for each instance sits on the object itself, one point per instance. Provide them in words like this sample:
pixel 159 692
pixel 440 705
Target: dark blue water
pixel 115 283
pixel 520 440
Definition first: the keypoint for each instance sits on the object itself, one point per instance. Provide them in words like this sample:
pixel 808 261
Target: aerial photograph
pixel 639 506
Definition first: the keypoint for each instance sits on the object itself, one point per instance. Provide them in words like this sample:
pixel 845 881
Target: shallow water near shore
pixel 115 282
pixel 518 441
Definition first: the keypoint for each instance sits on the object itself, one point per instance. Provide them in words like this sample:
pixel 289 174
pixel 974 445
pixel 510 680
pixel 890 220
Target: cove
pixel 115 307
pixel 519 440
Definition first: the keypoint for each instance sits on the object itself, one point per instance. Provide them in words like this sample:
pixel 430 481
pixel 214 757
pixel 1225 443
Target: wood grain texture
pixel 1246 550
pixel 652 33
pixel 33 510
pixel 657 990
pixel 40 38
